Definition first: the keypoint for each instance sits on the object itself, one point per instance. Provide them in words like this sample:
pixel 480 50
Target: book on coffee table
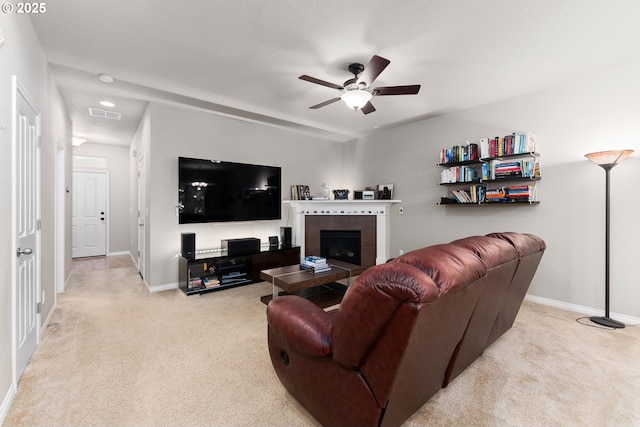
pixel 315 264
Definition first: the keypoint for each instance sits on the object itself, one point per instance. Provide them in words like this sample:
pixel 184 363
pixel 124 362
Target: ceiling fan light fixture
pixel 356 98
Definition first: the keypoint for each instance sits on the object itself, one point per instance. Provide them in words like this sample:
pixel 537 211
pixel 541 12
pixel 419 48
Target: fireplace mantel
pixel 379 208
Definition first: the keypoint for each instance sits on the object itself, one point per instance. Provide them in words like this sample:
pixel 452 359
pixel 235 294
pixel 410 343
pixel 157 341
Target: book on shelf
pixel 519 192
pixel 494 169
pixel 458 174
pixel 496 195
pixel 462 196
pixel 195 283
pixel 210 283
pixel 497 146
pixel 459 153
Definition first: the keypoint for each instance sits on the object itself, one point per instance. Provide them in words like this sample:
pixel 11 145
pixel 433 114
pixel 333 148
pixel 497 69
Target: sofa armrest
pixel 301 324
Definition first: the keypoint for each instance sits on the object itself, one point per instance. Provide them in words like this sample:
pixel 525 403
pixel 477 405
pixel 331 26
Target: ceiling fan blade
pixel 396 90
pixel 368 108
pixel 320 82
pixel 322 104
pixel 373 69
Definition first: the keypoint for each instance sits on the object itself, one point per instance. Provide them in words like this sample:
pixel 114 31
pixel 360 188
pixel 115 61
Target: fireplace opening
pixel 343 245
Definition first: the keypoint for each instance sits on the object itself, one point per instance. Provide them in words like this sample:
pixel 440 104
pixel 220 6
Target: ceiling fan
pixel 358 91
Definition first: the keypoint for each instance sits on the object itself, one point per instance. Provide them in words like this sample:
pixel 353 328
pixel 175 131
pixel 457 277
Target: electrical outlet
pixel 401 251
pixel 401 210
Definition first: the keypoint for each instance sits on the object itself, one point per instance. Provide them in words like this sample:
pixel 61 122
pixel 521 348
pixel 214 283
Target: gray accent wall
pixel 595 113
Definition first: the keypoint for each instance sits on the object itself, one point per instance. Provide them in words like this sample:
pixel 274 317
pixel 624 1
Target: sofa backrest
pixel 530 249
pixel 501 259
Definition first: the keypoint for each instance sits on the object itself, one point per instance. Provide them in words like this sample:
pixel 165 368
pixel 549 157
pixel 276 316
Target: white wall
pixel 186 132
pixel 596 113
pixel 21 55
pixel 118 168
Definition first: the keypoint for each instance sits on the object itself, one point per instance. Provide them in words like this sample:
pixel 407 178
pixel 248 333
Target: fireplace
pixel 370 217
pixel 348 226
pixel 343 245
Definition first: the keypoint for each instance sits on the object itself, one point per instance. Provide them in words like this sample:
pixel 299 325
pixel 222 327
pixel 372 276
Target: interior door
pixel 26 210
pixel 89 231
pixel 141 216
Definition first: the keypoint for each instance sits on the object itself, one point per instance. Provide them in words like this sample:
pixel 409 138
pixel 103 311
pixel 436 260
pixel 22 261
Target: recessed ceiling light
pixel 76 140
pixel 105 78
pixel 107 104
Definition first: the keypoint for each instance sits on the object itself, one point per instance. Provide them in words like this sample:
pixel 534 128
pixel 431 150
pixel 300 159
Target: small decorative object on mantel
pixel 340 194
pixel 385 191
pixel 369 193
pixel 300 192
pixel 326 191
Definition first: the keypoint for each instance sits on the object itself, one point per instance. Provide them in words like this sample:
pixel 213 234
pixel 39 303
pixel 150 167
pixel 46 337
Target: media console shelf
pixel 210 272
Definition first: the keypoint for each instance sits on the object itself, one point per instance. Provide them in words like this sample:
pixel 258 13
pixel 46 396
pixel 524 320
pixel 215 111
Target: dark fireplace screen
pixel 343 245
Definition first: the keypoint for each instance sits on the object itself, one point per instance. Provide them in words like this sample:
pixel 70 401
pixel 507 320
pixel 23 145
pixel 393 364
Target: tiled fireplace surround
pixel 368 216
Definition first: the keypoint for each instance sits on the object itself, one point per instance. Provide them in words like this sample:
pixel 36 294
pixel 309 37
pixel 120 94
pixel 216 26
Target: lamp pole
pixel 606 320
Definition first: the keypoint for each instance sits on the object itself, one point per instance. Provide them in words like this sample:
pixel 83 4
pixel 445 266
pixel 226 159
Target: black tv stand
pixel 216 271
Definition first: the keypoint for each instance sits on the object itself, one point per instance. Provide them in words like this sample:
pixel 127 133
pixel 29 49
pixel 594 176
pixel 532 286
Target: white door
pixel 141 215
pixel 26 209
pixel 89 230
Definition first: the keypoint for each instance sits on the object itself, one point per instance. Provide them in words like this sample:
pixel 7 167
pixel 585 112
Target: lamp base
pixel 607 321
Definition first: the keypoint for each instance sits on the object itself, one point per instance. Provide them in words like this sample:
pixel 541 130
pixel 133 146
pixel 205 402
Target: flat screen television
pixel 217 191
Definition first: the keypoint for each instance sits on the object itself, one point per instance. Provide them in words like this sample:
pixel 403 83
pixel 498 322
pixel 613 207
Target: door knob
pixel 25 251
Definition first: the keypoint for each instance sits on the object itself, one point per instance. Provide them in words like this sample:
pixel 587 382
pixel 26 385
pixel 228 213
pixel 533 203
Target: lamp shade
pixel 608 158
pixel 356 98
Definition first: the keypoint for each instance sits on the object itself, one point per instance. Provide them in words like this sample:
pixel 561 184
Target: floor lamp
pixel 607 160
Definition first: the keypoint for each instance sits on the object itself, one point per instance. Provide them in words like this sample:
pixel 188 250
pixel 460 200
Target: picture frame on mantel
pixel 385 191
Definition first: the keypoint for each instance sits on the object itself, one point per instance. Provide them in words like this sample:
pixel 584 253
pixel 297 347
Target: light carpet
pixel 115 355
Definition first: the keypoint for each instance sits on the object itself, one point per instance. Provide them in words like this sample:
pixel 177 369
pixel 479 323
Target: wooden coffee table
pixel 292 278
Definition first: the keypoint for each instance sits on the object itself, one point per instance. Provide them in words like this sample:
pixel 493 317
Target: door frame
pixel 106 200
pixel 60 217
pixel 142 209
pixel 18 88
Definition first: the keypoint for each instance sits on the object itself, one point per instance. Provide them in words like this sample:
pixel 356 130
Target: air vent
pixel 104 114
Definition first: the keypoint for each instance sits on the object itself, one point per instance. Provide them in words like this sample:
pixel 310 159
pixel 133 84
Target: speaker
pixel 273 241
pixel 188 246
pixel 247 245
pixel 285 236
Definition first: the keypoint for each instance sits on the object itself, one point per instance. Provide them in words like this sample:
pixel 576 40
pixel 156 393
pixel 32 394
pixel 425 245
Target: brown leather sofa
pixel 404 329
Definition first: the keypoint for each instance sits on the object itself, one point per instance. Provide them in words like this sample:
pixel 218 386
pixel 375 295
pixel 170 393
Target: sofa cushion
pixel 525 244
pixel 450 266
pixel 491 251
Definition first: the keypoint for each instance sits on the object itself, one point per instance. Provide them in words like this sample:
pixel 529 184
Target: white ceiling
pixel 244 57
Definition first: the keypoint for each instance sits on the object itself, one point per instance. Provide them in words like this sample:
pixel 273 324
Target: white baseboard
pixel 43 328
pixel 6 403
pixel 67 280
pixel 120 253
pixel 160 288
pixel 628 320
